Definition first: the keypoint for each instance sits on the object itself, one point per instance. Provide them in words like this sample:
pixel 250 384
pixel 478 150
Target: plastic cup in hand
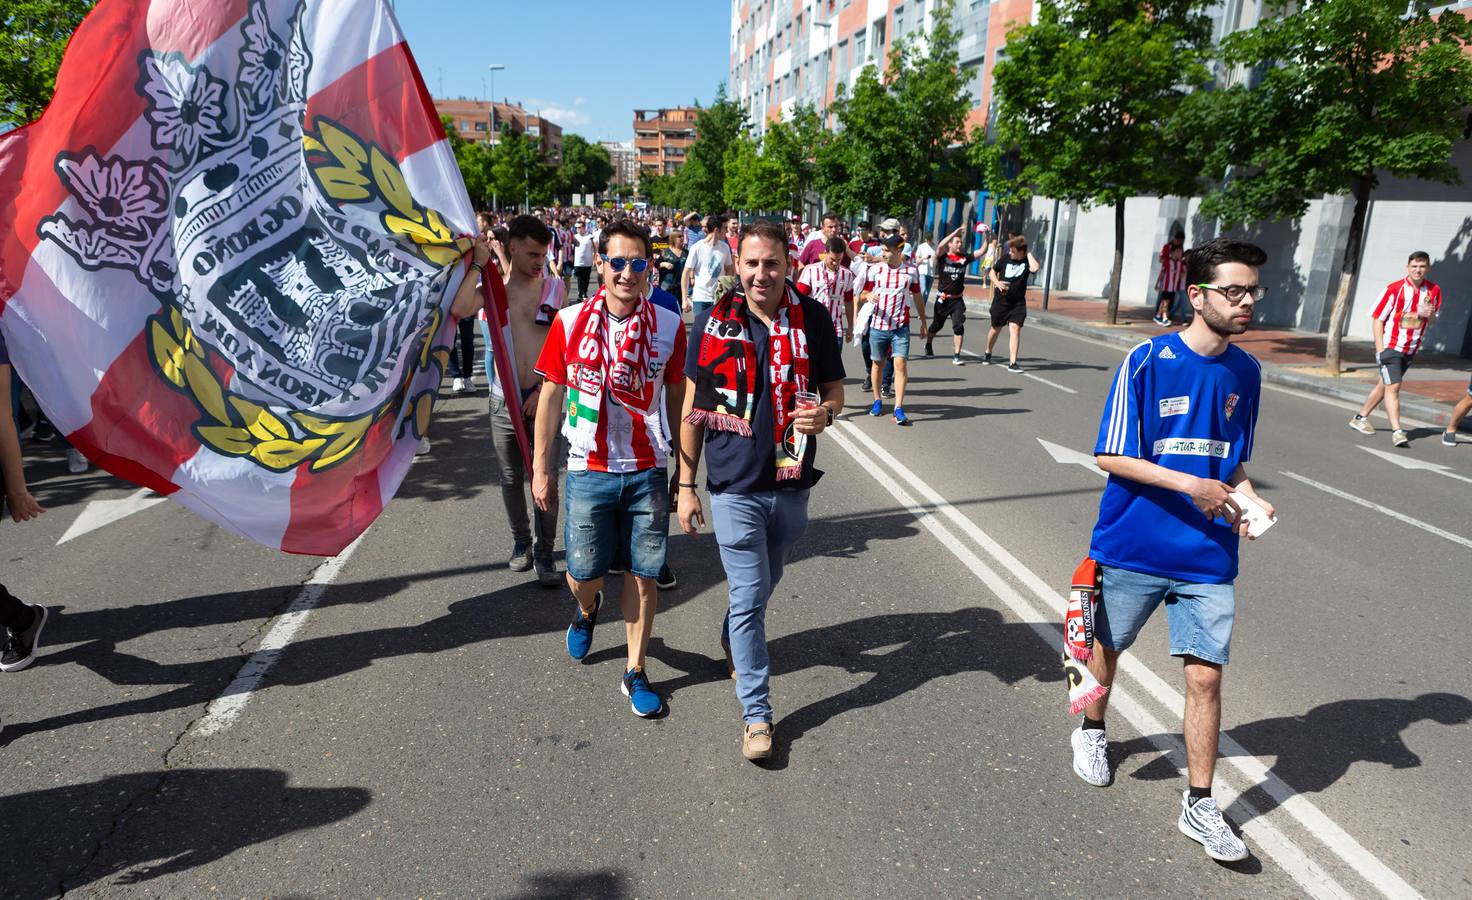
pixel 805 399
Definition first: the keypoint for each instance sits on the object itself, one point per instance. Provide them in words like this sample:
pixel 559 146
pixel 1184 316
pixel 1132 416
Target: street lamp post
pixel 494 68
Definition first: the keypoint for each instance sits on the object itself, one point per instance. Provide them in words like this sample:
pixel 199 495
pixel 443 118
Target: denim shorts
pixel 1199 616
pixel 616 517
pixel 883 343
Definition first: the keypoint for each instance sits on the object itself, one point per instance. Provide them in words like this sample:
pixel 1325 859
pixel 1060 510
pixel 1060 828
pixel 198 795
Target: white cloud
pixel 564 116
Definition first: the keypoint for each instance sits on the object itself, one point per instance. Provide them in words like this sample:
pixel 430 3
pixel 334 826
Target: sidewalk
pixel 1289 358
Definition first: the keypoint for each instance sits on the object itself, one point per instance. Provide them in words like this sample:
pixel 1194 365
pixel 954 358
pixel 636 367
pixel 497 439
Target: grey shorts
pixel 1393 365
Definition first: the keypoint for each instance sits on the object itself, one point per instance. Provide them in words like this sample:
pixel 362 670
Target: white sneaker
pixel 1202 822
pixel 1398 438
pixel 423 447
pixel 1091 756
pixel 76 463
pixel 1362 425
pixel 457 386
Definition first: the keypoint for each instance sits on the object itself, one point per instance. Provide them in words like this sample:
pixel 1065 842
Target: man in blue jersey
pixel 1176 432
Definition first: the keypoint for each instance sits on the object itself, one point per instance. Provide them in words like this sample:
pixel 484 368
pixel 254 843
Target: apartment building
pixel 663 136
pixel 625 161
pixel 474 121
pixel 789 52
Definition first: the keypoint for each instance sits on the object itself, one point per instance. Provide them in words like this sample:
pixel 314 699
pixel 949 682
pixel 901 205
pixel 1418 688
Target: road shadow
pixel 462 461
pixel 520 610
pixel 1053 365
pixel 1317 749
pixel 917 648
pixel 66 838
pixel 573 886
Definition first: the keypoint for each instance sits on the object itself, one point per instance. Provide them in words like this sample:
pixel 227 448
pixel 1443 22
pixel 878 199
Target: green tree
pixel 1084 99
pixel 902 133
pixel 790 148
pixel 33 36
pixel 702 178
pixel 586 166
pixel 1348 90
pixel 518 172
pixel 755 180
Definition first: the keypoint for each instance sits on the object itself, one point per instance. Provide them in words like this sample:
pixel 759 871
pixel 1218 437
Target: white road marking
pixel 226 708
pixel 1416 464
pixel 1068 390
pixel 100 513
pixel 1069 457
pixel 1280 388
pixel 1287 854
pixel 1343 495
pixel 1266 835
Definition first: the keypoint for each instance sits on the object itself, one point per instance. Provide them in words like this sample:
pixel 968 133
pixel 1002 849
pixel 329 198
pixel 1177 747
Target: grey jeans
pixel 514 475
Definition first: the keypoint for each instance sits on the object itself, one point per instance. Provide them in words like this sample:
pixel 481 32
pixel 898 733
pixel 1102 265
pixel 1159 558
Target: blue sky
pixel 586 64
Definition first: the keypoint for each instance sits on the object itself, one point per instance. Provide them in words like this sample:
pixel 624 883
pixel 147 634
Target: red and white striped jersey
pixel 1405 309
pixel 831 287
pixel 626 441
pixel 891 288
pixel 1172 275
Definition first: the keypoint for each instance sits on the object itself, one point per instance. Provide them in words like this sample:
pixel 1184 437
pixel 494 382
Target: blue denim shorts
pixel 882 343
pixel 612 517
pixel 1199 616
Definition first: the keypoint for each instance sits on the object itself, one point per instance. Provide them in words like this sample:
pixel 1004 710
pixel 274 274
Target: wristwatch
pixel 830 416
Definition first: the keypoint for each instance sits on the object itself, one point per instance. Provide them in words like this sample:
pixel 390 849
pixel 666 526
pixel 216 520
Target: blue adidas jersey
pixel 1189 413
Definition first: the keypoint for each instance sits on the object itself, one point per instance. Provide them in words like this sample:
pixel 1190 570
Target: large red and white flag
pixel 227 253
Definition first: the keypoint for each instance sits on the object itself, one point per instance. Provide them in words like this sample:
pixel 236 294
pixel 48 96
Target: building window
pixel 879 38
pixel 899 19
pixel 843 60
pixel 861 47
pixel 482 126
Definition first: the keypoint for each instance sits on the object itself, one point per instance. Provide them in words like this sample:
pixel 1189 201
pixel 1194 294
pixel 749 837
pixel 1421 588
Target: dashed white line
pixel 1293 859
pixel 226 708
pixel 1417 523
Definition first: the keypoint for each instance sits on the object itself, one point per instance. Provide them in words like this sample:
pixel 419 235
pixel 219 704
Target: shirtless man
pixel 532 301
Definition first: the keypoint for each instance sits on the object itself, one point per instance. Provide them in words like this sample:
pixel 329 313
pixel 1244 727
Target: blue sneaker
pixel 899 416
pixel 642 698
pixel 877 409
pixel 580 632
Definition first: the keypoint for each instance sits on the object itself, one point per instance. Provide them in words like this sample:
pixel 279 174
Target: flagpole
pixel 494 290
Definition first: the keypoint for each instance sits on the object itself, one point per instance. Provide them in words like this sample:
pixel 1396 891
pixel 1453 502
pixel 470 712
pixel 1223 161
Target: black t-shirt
pixel 1014 272
pixel 951 277
pixel 747 465
pixel 658 243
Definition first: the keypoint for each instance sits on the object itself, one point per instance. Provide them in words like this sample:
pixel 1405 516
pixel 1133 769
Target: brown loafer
pixel 756 742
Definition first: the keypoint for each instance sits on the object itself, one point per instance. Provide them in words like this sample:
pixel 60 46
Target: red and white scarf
pixel 725 382
pixel 597 370
pixel 1078 636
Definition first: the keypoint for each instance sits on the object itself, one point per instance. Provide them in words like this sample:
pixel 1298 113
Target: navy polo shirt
pixel 748 465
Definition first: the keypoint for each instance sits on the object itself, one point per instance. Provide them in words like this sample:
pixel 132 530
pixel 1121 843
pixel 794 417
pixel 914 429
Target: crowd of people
pixel 618 391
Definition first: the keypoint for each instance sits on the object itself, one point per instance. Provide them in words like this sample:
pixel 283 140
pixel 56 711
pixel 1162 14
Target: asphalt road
pixel 423 732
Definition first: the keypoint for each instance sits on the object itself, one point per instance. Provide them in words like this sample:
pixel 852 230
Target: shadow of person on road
pixel 560 885
pixel 68 837
pixel 1315 750
pixel 931 645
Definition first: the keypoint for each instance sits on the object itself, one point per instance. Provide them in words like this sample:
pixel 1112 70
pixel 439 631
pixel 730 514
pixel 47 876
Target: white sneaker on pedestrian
pixel 1399 438
pixel 423 447
pixel 457 386
pixel 1091 756
pixel 1362 425
pixel 76 463
pixel 1202 822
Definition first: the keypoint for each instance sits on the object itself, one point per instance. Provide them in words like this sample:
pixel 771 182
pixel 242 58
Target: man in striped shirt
pixel 1171 282
pixel 1405 311
pixel 831 283
pixel 892 285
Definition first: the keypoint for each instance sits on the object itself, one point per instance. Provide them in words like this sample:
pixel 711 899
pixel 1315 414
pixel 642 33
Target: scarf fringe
pixel 717 421
pixel 1082 654
pixel 789 473
pixel 1077 706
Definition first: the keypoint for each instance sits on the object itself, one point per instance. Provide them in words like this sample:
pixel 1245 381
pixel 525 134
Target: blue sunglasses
pixel 638 264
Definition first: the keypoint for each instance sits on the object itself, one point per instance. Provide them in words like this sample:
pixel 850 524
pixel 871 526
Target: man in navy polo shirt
pixel 764 376
pixel 1176 432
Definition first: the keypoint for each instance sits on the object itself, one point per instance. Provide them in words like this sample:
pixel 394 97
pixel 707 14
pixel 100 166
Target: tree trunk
pixel 1347 274
pixel 1111 312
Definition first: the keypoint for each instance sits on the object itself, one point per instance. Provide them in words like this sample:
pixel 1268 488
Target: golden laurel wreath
pixel 239 427
pixel 236 426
